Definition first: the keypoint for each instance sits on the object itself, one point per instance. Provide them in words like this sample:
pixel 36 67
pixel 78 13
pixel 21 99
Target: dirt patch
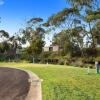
pixel 14 84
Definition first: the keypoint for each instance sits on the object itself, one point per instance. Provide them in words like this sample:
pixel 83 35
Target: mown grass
pixel 64 82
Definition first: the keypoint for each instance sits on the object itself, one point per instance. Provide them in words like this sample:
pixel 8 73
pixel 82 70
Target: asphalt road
pixel 14 84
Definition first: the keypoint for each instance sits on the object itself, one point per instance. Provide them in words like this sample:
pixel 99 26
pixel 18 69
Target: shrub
pixel 61 62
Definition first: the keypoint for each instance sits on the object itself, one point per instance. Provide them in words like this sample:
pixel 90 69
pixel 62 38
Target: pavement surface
pixel 14 84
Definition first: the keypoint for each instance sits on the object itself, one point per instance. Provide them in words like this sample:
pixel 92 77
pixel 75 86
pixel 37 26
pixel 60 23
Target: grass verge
pixel 64 82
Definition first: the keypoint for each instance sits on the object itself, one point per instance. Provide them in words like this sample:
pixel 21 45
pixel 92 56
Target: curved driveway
pixel 14 84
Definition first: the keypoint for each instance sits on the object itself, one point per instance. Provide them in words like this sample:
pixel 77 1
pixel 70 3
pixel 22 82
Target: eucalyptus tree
pixel 34 35
pixel 69 20
pixel 76 20
pixel 67 48
pixel 93 18
pixel 90 14
pixel 4 36
pixel 96 33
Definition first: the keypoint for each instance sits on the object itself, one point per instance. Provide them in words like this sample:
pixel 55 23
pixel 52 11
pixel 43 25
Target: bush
pixel 78 64
pixel 61 62
pixel 89 65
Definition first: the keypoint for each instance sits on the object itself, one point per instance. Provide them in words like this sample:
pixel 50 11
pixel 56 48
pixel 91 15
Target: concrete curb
pixel 35 92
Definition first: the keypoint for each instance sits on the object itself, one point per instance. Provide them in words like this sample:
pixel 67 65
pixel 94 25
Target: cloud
pixel 2 2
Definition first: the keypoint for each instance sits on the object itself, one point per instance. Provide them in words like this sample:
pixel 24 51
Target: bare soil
pixel 14 84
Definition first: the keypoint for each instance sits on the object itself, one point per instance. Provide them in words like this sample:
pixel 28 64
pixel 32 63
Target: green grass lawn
pixel 64 82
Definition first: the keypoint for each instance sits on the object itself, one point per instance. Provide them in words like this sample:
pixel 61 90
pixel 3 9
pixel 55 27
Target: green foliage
pixel 92 15
pixel 79 35
pixel 61 16
pixel 64 41
pixel 4 47
pixel 36 47
pixel 90 52
pixel 81 3
pixel 35 20
pixel 72 20
pixel 3 33
pixel 33 30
